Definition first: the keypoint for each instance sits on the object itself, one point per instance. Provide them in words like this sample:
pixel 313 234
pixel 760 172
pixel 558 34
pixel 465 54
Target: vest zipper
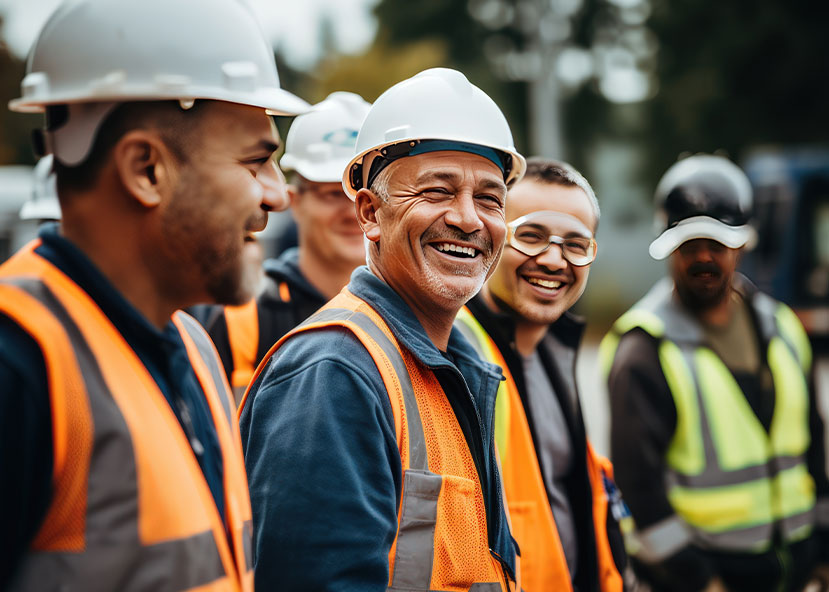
pixel 504 570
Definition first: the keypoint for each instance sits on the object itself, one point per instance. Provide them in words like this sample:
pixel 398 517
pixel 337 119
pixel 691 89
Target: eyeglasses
pixel 534 233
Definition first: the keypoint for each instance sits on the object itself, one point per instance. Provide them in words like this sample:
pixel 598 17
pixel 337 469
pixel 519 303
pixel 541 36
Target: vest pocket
pixel 461 546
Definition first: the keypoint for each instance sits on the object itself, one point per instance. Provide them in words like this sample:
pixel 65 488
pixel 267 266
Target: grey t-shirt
pixel 555 451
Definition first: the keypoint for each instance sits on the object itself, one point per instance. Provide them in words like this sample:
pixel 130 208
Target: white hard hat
pixel 98 53
pixel 43 203
pixel 320 143
pixel 439 105
pixel 703 196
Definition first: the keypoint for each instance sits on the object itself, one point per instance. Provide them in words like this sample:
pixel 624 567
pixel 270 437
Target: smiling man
pixel 367 435
pixel 715 433
pixel 555 484
pixel 319 145
pixel 121 462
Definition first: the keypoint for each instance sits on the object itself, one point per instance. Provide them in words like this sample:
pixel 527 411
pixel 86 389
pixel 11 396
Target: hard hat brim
pixel 318 172
pixel 275 101
pixel 733 237
pixel 519 163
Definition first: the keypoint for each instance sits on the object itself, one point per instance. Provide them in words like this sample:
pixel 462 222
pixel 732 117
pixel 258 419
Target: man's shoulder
pixel 333 346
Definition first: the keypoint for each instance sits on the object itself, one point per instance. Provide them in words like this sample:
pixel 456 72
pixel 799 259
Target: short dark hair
pixel 178 129
pixel 556 172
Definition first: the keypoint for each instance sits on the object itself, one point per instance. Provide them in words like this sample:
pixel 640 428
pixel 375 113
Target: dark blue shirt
pixel 321 450
pixel 25 414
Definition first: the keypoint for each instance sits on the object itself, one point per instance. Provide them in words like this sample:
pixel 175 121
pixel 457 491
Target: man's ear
pixel 145 166
pixel 294 194
pixel 366 205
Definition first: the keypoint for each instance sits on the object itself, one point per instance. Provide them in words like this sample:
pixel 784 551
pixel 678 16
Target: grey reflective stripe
pixel 739 476
pixel 112 488
pixel 171 566
pixel 247 543
pixel 822 512
pixel 416 538
pixel 766 309
pixel 753 538
pixel 798 526
pixel 469 334
pixel 663 539
pixel 208 354
pixel 417 441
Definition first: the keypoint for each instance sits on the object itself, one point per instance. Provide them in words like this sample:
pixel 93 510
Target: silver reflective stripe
pixel 417 441
pixel 470 336
pixel 416 538
pixel 171 566
pixel 752 538
pixel 112 488
pixel 247 543
pixel 663 539
pixel 798 526
pixel 208 354
pixel 822 512
pixel 739 476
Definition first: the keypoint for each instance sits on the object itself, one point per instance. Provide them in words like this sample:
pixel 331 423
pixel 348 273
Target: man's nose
pixel 552 258
pixel 463 214
pixel 275 189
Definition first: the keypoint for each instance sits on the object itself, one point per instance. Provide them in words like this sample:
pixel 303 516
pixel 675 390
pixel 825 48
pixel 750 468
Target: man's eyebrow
pixel 492 184
pixel 447 176
pixel 264 146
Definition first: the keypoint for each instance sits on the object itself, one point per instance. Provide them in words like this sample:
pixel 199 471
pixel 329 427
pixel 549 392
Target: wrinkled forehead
pixel 550 222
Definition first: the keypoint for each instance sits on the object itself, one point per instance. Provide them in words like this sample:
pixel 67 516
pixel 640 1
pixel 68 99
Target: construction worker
pixel 319 145
pixel 367 429
pixel 120 461
pixel 715 436
pixel 43 205
pixel 557 487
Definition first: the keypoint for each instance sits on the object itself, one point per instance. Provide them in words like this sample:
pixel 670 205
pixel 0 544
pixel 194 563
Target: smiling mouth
pixel 457 250
pixel 549 284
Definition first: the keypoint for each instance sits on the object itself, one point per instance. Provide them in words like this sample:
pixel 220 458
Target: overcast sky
pixel 292 25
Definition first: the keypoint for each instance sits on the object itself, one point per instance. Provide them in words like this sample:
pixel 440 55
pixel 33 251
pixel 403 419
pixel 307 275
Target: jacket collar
pixel 286 268
pixel 408 330
pixel 568 329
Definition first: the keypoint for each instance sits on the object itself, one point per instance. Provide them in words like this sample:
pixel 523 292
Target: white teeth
pixel 448 247
pixel 544 283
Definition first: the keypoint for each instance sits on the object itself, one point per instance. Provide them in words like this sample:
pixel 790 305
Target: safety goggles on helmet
pixel 533 234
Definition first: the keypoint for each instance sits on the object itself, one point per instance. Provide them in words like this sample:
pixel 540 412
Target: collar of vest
pixel 682 327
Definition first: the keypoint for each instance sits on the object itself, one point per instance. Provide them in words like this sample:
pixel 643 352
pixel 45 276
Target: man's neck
pixel 327 278
pixel 527 334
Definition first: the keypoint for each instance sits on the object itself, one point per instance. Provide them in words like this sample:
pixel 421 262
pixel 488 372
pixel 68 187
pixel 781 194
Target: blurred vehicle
pixel 791 260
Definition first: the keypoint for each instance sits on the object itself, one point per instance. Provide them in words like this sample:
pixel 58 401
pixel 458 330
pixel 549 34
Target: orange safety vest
pixel 441 541
pixel 131 509
pixel 543 564
pixel 243 337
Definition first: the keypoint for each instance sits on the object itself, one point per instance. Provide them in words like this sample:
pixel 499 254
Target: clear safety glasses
pixel 534 233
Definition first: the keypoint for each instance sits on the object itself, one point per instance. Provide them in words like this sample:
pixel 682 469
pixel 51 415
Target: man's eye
pixel 577 246
pixel 494 199
pixel 435 191
pixel 530 236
